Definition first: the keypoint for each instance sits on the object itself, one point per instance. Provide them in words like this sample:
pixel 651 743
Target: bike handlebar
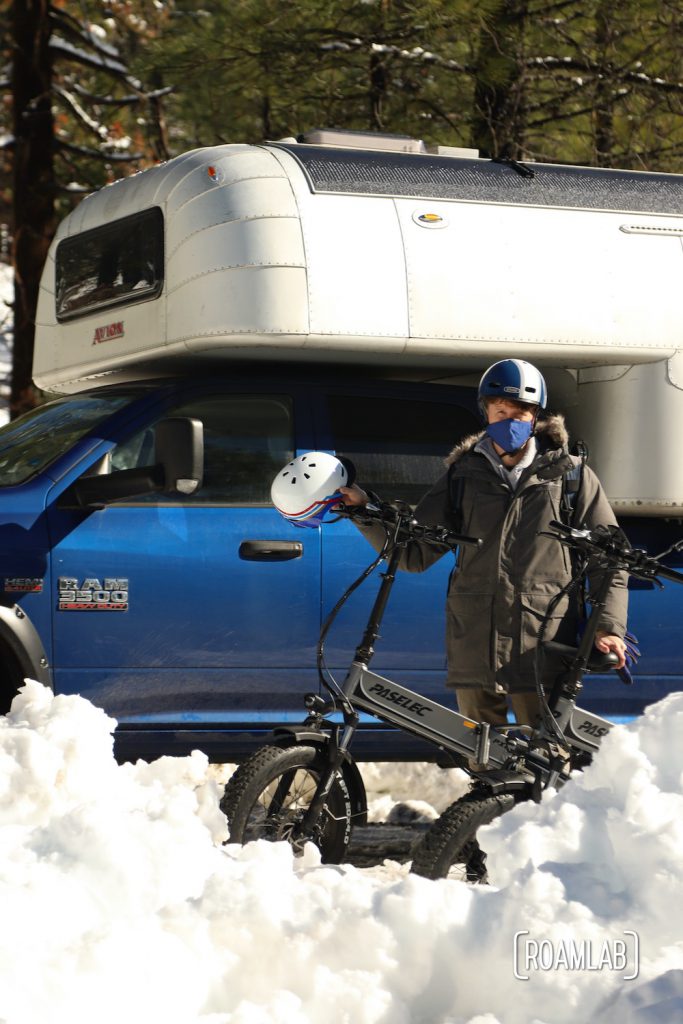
pixel 608 543
pixel 613 547
pixel 407 525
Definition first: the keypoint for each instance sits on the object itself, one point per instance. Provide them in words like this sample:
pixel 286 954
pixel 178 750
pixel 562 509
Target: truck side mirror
pixel 179 448
pixel 178 469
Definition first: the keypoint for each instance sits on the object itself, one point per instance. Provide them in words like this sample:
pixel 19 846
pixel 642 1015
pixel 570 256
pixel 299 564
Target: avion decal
pixel 109 332
pixel 92 595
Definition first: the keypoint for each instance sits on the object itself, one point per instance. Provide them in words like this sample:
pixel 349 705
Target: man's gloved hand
pixel 631 656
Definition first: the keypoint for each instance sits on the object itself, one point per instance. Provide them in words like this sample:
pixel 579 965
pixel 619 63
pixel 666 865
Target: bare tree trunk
pixel 158 126
pixel 499 117
pixel 34 186
pixel 603 119
pixel 378 91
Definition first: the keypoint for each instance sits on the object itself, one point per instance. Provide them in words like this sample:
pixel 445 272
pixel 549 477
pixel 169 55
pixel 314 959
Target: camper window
pixel 122 261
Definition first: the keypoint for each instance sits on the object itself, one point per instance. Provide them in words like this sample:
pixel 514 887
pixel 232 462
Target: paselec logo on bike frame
pixel 400 699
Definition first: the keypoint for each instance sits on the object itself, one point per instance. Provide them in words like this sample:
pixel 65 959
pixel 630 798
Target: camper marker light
pixel 428 219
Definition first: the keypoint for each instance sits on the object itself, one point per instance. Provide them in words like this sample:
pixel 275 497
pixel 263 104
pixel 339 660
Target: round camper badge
pixel 429 219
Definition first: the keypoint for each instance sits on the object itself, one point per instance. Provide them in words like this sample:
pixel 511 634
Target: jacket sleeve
pixel 432 510
pixel 593 509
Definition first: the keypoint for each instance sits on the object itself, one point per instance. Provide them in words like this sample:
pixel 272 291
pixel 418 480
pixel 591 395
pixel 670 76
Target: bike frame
pixel 511 758
pixel 486 745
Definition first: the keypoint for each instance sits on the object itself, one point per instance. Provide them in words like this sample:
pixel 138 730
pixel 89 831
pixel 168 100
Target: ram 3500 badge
pixel 107 595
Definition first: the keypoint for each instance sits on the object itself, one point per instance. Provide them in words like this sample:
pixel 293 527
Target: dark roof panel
pixel 487 181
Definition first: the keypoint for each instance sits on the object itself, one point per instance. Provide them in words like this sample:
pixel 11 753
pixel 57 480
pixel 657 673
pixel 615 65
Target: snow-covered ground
pixel 119 901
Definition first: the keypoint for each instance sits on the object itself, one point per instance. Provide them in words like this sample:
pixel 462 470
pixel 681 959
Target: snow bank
pixel 118 901
pixel 404 792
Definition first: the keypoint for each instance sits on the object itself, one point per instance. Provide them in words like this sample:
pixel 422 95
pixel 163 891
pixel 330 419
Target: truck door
pixel 398 443
pixel 201 609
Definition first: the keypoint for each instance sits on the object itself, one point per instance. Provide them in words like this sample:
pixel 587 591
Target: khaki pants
pixel 484 706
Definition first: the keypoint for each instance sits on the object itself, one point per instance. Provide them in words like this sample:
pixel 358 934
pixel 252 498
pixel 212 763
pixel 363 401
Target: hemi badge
pixel 23 585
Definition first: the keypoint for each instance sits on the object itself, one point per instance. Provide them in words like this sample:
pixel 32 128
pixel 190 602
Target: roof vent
pixel 376 142
pixel 456 151
pixel 363 140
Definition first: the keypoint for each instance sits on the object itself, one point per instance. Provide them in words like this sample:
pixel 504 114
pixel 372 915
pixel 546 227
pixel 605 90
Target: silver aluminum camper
pixel 430 262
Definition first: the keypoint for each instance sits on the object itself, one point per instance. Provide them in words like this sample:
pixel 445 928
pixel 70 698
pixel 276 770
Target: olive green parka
pixel 499 594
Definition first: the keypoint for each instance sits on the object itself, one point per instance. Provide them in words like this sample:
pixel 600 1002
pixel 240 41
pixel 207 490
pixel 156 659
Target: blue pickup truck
pixel 339 292
pixel 193 619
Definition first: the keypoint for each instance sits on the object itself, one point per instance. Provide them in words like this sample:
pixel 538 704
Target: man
pixel 505 485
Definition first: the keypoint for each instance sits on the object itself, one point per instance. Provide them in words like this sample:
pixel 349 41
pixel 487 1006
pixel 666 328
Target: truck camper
pixel 202 321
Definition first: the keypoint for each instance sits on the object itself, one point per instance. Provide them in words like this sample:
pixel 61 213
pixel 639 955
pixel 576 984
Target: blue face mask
pixel 510 435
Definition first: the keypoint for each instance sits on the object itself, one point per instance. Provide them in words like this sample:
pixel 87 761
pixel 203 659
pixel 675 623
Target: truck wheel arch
pixel 22 655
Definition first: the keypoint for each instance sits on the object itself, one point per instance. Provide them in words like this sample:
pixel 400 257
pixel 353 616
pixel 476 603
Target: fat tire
pixel 452 839
pixel 248 788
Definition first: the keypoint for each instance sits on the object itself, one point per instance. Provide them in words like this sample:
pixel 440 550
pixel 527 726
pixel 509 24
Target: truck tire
pixel 450 849
pixel 270 792
pixel 11 677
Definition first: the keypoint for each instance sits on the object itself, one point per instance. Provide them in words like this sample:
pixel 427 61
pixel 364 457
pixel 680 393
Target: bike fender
pixel 288 735
pixel 503 781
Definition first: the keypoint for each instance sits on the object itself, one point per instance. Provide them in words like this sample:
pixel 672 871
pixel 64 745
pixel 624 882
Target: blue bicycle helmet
pixel 515 379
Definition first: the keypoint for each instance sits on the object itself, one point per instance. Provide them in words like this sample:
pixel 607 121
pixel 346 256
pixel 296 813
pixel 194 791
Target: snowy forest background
pixel 95 89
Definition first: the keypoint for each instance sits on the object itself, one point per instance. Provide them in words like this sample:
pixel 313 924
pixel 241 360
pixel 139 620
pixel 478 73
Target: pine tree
pixel 73 95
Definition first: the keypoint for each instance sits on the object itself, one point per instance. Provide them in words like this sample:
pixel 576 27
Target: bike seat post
pixel 366 648
pixel 569 684
pixel 483 743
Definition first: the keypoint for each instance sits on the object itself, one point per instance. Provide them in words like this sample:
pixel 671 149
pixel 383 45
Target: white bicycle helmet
pixel 308 486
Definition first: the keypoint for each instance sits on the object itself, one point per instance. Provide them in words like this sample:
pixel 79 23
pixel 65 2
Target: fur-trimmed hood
pixel 551 432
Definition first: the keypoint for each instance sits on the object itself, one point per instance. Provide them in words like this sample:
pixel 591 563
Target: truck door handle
pixel 270 550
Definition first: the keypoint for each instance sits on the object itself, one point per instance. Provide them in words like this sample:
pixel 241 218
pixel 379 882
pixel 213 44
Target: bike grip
pixel 475 542
pixel 560 526
pixel 669 574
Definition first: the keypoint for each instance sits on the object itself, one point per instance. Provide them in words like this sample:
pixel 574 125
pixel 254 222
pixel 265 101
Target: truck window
pixel 397 445
pixel 122 261
pixel 247 440
pixel 31 442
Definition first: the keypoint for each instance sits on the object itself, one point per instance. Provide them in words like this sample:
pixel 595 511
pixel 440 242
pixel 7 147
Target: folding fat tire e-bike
pixel 304 786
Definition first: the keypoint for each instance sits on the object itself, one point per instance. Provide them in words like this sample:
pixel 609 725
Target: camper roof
pixel 396 255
